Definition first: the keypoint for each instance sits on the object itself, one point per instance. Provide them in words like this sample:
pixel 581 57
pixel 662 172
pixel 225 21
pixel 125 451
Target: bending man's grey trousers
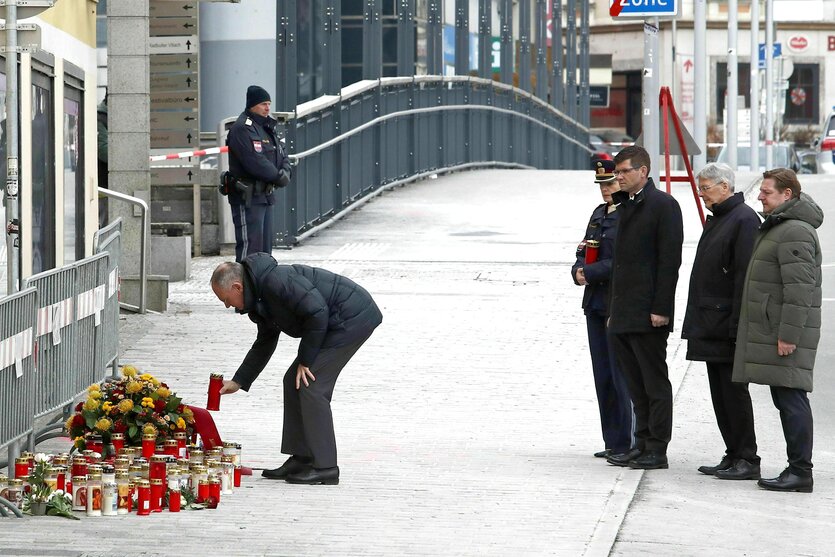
pixel 308 422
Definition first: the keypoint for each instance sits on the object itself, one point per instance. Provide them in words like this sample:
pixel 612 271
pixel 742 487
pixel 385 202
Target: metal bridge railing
pixel 381 133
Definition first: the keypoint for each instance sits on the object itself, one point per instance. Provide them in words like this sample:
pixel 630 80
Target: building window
pixel 43 177
pixel 73 177
pixel 802 95
pixel 743 88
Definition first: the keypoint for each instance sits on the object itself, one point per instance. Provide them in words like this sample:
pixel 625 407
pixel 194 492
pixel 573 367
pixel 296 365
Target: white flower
pixel 41 457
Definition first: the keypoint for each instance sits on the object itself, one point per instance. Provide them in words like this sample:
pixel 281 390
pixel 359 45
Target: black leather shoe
pixel 726 462
pixel 787 481
pixel 292 465
pixel 602 454
pixel 622 459
pixel 650 460
pixel 741 470
pixel 324 476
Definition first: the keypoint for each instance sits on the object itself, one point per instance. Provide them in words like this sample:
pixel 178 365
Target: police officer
pixel 592 270
pixel 259 163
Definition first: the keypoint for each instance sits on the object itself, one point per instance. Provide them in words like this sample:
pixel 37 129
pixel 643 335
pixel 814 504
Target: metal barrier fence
pixel 18 319
pixel 109 240
pixel 381 133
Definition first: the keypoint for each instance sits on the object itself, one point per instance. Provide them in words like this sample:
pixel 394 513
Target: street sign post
pixel 643 8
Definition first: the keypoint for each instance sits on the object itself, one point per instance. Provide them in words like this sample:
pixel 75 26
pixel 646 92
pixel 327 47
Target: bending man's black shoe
pixel 787 481
pixel 650 460
pixel 292 465
pixel 741 470
pixel 726 462
pixel 602 454
pixel 622 459
pixel 311 476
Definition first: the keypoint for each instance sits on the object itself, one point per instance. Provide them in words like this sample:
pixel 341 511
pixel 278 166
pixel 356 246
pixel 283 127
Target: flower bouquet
pixel 43 498
pixel 133 405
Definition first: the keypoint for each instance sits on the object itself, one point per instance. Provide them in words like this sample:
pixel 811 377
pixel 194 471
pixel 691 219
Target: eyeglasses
pixel 617 173
pixel 703 189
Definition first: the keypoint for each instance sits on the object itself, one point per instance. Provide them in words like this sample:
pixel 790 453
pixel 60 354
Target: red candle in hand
pixel 215 384
pixel 592 247
pixel 237 476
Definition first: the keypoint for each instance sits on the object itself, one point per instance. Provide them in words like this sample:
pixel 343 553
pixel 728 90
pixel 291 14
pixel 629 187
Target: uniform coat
pixel 710 321
pixel 782 299
pixel 613 400
pixel 324 309
pixel 647 259
pixel 257 158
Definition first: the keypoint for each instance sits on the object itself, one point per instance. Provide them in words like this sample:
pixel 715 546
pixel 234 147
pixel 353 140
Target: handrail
pixel 146 225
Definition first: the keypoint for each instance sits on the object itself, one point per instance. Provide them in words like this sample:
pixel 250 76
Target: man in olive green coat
pixel 780 317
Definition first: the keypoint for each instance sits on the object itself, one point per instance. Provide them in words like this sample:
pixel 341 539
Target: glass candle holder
pixel 215 384
pixel 149 444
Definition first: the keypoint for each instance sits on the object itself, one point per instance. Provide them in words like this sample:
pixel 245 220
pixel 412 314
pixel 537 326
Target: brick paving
pixel 465 425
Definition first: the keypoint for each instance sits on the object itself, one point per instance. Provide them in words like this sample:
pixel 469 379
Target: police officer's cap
pixel 256 95
pixel 604 171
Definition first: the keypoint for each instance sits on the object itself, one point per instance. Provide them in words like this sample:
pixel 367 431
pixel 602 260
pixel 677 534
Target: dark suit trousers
pixel 308 422
pixel 796 417
pixel 612 393
pixel 253 229
pixel 643 360
pixel 734 414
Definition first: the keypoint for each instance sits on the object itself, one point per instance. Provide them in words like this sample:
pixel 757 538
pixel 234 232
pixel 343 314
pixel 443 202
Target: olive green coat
pixel 782 299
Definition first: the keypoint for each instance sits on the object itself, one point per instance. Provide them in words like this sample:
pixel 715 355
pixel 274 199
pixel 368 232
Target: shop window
pixel 43 179
pixel 743 87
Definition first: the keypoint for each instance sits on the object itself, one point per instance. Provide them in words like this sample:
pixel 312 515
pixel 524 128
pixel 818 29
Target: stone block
pixel 126 36
pixel 128 150
pixel 129 8
pixel 171 255
pixel 129 77
pixel 209 240
pixel 156 291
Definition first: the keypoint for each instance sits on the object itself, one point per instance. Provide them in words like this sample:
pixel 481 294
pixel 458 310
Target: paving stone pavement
pixel 466 423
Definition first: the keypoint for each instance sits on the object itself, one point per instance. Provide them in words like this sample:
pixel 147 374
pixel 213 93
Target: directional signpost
pixel 651 11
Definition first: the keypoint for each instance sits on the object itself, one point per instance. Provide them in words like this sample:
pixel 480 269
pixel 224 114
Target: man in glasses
pixel 710 322
pixel 642 295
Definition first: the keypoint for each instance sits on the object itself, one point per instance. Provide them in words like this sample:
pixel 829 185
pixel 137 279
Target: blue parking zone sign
pixel 643 8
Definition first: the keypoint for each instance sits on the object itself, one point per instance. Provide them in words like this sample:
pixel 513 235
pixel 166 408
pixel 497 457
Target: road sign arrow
pixel 188 63
pixel 188 45
pixel 190 174
pixel 189 99
pixel 188 81
pixel 189 118
pixel 189 136
pixel 688 65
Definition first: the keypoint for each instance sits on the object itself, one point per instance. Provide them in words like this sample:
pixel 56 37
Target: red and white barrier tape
pixel 187 154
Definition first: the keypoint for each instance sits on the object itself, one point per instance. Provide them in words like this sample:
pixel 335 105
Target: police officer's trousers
pixel 253 229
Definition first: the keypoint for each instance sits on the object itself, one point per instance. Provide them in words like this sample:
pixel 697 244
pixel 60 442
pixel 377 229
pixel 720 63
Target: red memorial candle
pixel 143 506
pixel 21 467
pixel 157 493
pixel 157 471
pixel 118 442
pixel 592 249
pixel 149 444
pixel 215 384
pixel 237 476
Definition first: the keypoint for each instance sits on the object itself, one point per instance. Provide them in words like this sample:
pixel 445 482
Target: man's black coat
pixel 322 308
pixel 646 262
pixel 717 280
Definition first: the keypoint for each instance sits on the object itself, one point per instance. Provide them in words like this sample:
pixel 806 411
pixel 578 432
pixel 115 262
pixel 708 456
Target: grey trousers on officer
pixel 308 422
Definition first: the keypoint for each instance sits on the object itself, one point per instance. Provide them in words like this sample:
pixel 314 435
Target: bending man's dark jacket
pixel 256 155
pixel 602 227
pixel 322 308
pixel 646 262
pixel 717 280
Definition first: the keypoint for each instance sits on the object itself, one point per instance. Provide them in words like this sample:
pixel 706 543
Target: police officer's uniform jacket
pixel 602 227
pixel 256 157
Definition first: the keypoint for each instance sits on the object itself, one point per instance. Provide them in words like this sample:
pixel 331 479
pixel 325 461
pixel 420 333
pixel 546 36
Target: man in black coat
pixel 258 161
pixel 592 270
pixel 712 316
pixel 641 300
pixel 333 316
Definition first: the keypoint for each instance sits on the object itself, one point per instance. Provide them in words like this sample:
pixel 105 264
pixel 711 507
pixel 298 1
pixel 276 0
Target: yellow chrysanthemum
pixel 79 443
pixel 94 387
pixel 181 423
pixel 149 429
pixel 148 402
pixel 103 424
pixel 188 415
pixel 155 381
pixel 68 423
pixel 107 406
pixel 91 405
pixel 146 377
pixel 125 406
pixel 133 387
pixel 163 392
pixel 129 371
pixel 95 395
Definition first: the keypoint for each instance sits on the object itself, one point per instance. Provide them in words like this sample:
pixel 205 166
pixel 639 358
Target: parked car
pixel 599 149
pixel 612 140
pixel 785 156
pixel 824 146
